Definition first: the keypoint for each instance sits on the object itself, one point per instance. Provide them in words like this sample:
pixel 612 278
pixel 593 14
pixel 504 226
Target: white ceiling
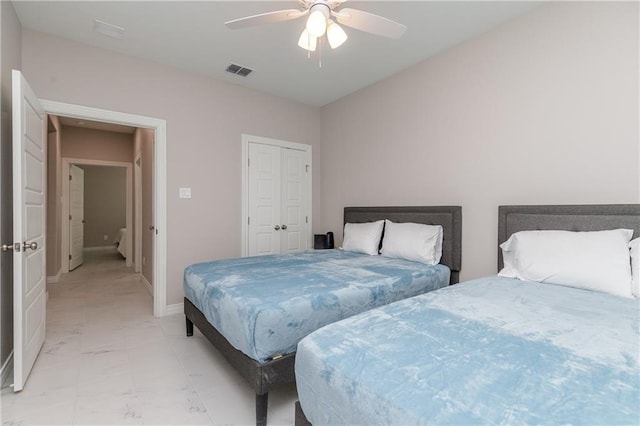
pixel 192 36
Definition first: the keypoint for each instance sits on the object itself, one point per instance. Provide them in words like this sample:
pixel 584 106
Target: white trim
pixel 137 209
pixel 6 373
pixel 66 164
pixel 244 181
pixel 147 284
pixel 100 248
pixel 160 182
pixel 55 278
pixel 176 308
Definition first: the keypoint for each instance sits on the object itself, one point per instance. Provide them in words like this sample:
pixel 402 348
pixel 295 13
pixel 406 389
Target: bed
pixel 494 350
pixel 249 310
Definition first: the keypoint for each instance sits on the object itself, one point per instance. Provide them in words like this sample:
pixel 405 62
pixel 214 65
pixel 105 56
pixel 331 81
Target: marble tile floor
pixel 107 361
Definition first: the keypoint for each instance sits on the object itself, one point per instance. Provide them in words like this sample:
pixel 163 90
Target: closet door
pixel 294 200
pixel 277 199
pixel 264 199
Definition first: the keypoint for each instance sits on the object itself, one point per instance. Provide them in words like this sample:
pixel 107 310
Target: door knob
pixel 151 228
pixel 32 246
pixel 284 227
pixel 7 247
pixel 277 227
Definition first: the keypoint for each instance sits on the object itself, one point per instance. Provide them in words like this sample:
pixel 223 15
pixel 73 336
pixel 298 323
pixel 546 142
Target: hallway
pixel 107 360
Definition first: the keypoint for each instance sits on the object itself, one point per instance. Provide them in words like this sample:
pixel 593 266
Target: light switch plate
pixel 185 192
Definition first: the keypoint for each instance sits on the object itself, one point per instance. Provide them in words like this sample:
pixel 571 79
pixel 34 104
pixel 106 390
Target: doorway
pixel 158 127
pixel 107 213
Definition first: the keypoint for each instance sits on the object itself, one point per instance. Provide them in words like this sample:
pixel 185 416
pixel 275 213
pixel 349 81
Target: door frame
pixel 64 220
pixel 159 176
pixel 244 191
pixel 137 208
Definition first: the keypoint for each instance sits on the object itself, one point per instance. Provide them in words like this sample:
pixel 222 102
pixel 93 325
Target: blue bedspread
pixel 489 351
pixel 264 305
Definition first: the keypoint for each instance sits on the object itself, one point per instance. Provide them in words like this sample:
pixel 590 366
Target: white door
pixel 277 200
pixel 294 201
pixel 264 199
pixel 29 215
pixel 76 216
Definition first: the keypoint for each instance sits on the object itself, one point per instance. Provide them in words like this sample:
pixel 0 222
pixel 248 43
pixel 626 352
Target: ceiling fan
pixel 320 22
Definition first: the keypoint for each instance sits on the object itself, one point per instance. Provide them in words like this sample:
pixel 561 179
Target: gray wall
pixel 104 204
pixel 10 50
pixel 93 144
pixel 543 109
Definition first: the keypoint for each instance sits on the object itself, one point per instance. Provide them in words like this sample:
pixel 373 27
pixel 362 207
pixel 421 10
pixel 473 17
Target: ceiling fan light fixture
pixel 317 21
pixel 307 41
pixel 335 35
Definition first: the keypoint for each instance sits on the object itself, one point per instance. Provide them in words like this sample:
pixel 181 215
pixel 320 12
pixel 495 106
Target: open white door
pixel 29 215
pixel 76 216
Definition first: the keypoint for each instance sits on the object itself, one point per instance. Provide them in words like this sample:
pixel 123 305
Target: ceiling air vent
pixel 238 70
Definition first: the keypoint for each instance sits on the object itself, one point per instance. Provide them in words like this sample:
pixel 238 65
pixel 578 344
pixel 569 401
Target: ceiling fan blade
pixel 266 18
pixel 368 22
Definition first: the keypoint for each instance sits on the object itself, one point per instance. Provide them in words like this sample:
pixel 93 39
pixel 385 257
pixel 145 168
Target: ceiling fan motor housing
pixel 321 6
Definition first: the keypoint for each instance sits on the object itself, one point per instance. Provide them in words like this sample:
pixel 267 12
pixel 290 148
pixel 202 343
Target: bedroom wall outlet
pixel 185 192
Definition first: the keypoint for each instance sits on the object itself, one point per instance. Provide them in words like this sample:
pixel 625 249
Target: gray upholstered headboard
pixel 596 217
pixel 449 217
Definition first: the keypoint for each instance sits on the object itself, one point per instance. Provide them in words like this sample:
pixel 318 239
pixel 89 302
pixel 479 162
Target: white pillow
pixel 597 260
pixel 508 268
pixel 413 241
pixel 363 237
pixel 634 245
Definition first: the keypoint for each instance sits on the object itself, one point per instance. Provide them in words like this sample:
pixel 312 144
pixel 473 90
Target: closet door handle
pixel 277 227
pixel 284 227
pixel 32 246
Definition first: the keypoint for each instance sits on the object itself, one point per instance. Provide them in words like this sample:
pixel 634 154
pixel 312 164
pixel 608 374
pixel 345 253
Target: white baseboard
pixel 147 284
pixel 174 309
pixel 6 374
pixel 55 278
pixel 111 247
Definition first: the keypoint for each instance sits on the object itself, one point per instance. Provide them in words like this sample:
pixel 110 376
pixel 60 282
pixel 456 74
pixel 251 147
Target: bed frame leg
pixel 262 401
pixel 301 419
pixel 189 326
